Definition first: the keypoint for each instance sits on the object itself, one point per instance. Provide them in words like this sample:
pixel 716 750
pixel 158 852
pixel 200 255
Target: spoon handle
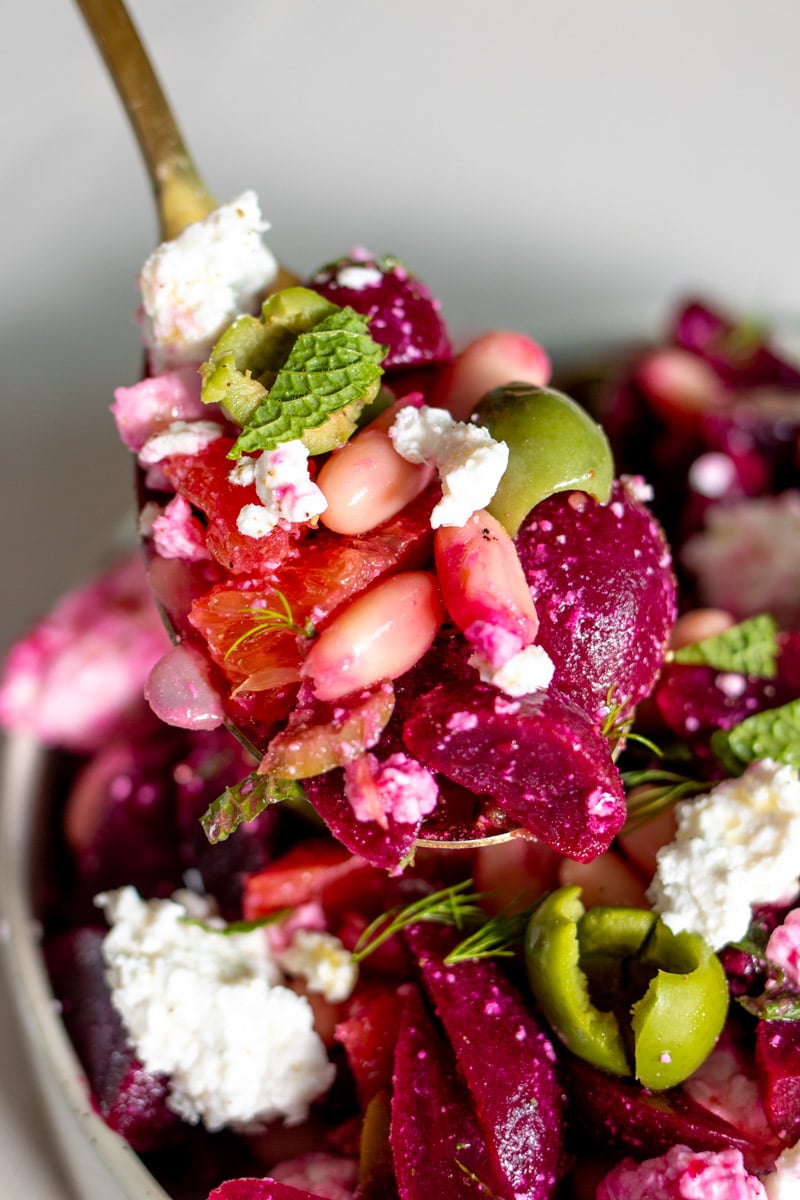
pixel 180 194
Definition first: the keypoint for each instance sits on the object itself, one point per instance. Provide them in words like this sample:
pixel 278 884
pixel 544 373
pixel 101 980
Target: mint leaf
pixel 245 800
pixel 749 648
pixel 248 356
pixel 773 734
pixel 332 370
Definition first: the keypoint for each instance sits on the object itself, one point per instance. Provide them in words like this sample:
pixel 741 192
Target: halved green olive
pixel 554 446
pixel 672 987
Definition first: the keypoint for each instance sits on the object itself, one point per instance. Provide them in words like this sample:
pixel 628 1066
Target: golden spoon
pixel 181 196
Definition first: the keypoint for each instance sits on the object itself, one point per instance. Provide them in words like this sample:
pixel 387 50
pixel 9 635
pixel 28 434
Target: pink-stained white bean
pixel 379 636
pixel 483 585
pixel 367 482
pixel 490 361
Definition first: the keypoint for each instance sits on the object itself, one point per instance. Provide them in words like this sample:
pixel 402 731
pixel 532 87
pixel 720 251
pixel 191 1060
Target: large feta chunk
pixel 739 845
pixel 207 1009
pixel 469 461
pixel 194 286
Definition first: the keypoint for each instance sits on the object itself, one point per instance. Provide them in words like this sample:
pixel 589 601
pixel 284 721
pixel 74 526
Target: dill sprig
pixel 457 905
pixel 270 620
pixel 660 790
pixel 496 937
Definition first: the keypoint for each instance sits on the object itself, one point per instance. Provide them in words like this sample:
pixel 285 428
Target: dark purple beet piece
pixel 619 1113
pixel 742 361
pixel 385 848
pixel 778 1061
pixel 694 699
pixel 602 580
pixel 506 1061
pixel 130 1099
pixel 120 821
pixel 538 757
pixel 439 1148
pixel 403 314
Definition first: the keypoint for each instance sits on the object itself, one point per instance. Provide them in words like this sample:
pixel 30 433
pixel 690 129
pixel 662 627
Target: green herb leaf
pixel 239 926
pixel 245 800
pixel 749 648
pixel 248 356
pixel 331 372
pixel 774 733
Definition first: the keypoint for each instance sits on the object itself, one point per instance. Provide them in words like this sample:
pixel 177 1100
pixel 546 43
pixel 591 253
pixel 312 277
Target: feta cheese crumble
pixel 181 437
pixel 322 961
pixel 737 846
pixel 194 286
pixel 207 1009
pixel 527 671
pixel 469 461
pixel 283 485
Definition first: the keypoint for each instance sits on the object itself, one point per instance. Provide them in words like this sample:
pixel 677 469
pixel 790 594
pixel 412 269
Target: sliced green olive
pixel 554 446
pixel 663 994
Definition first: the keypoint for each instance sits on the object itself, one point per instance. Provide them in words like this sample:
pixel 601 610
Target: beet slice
pixel 601 577
pixel 384 848
pixel 131 1100
pixel 778 1061
pixel 618 1113
pixel 403 315
pixel 538 757
pixel 694 700
pixel 439 1148
pixel 505 1059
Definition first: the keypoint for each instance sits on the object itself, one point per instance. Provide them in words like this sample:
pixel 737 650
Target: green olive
pixel 611 980
pixel 554 446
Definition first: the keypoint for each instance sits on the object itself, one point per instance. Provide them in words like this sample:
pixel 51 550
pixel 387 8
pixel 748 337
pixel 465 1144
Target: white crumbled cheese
pixel 738 845
pixel 527 671
pixel 194 286
pixel 208 1010
pixel 358 277
pixel 469 461
pixel 322 960
pixel 283 485
pixel 747 558
pixel 784 1182
pixel 181 437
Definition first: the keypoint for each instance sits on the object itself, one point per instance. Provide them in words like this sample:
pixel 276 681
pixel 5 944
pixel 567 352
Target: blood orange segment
pixel 258 652
pixel 202 479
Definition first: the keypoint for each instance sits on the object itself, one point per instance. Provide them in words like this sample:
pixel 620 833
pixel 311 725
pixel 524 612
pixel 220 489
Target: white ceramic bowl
pixel 100 1165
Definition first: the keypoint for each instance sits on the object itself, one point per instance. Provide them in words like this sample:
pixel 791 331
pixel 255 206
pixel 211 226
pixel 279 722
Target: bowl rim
pixel 22 795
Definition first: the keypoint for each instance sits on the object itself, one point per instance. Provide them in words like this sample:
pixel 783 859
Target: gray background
pixel 568 168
